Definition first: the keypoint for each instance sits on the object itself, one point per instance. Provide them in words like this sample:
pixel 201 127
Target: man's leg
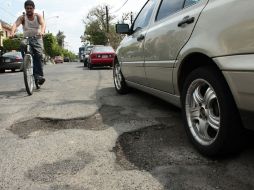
pixel 37 47
pixel 23 51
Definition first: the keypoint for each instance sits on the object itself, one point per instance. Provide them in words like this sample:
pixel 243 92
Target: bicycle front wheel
pixel 28 74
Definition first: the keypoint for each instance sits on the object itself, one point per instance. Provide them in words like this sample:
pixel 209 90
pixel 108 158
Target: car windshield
pixel 103 49
pixel 89 48
pixel 18 54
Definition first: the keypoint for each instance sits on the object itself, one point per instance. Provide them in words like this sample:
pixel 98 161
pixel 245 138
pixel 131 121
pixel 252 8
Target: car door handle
pixel 140 38
pixel 186 20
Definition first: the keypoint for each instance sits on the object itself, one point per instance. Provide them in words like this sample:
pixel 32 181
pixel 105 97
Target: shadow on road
pixel 13 94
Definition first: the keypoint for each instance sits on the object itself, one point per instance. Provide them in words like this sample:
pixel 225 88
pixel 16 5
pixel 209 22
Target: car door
pixel 171 28
pixel 131 54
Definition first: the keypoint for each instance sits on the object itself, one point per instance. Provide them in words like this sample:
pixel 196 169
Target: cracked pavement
pixel 77 133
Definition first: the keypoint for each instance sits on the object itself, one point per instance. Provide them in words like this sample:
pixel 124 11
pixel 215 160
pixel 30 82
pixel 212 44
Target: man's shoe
pixel 41 80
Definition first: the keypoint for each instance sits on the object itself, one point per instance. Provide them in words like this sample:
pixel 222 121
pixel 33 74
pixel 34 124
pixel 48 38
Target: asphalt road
pixel 77 133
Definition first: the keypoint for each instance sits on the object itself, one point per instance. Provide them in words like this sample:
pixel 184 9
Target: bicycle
pixel 27 66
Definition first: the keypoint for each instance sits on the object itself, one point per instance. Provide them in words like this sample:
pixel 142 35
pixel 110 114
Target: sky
pixel 66 15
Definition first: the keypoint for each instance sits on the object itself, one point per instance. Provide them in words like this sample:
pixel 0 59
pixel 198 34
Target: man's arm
pixel 16 25
pixel 42 23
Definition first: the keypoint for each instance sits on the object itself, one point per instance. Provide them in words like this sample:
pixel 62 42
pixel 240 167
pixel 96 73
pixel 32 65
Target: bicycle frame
pixel 28 66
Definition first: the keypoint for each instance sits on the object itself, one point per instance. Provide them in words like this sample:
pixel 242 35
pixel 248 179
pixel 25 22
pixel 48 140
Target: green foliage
pixel 50 44
pixel 11 44
pixel 95 34
pixel 53 49
pixel 114 38
pixel 60 38
pixel 95 29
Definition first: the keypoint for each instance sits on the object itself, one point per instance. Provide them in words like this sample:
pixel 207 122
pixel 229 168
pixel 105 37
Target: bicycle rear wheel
pixel 28 74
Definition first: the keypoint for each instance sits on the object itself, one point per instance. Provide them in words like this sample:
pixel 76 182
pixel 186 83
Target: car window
pixel 169 7
pixel 190 2
pixel 88 48
pixel 12 54
pixel 144 16
pixel 103 49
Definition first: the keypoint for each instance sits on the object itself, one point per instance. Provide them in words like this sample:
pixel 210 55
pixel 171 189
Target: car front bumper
pixel 238 71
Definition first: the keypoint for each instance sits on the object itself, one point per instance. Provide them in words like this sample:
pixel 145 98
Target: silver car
pixel 198 55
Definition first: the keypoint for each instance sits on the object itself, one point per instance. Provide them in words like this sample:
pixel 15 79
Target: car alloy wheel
pixel 119 81
pixel 202 112
pixel 118 77
pixel 210 115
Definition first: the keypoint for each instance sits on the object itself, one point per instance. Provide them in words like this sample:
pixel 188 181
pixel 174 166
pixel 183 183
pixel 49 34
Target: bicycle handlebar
pixel 16 37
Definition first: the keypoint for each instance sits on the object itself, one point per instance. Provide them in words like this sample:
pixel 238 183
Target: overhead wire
pixel 120 7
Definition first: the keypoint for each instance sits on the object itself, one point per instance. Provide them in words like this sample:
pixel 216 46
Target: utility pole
pixel 131 17
pixel 107 21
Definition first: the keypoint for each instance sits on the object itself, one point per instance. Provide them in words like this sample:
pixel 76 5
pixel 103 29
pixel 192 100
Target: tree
pixel 96 28
pixel 60 38
pixel 53 49
pixel 113 37
pixel 12 44
pixel 95 34
pixel 50 44
pixel 99 14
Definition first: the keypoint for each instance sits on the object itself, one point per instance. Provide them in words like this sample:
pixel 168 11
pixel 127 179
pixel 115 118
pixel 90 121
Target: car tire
pixel 210 115
pixel 85 62
pixel 90 66
pixel 119 80
pixel 2 71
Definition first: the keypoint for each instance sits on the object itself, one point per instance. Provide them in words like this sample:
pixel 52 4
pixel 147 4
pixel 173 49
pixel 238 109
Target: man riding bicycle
pixel 33 25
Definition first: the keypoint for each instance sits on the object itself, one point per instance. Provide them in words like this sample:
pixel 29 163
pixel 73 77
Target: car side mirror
pixel 122 29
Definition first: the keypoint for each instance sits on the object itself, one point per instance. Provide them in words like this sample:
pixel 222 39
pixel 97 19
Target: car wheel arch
pixel 190 63
pixel 194 61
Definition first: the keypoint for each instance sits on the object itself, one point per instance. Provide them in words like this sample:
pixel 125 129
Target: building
pixel 5 31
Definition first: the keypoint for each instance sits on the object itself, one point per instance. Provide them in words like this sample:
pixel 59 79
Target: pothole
pixel 164 151
pixel 51 171
pixel 106 116
pixel 154 146
pixel 24 129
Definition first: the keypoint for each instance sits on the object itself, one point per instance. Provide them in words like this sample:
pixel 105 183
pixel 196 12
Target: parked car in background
pixel 87 53
pixel 81 53
pixel 197 56
pixel 66 59
pixel 11 61
pixel 101 56
pixel 58 59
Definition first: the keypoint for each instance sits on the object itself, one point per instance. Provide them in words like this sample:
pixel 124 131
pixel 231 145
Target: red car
pixel 101 56
pixel 58 59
